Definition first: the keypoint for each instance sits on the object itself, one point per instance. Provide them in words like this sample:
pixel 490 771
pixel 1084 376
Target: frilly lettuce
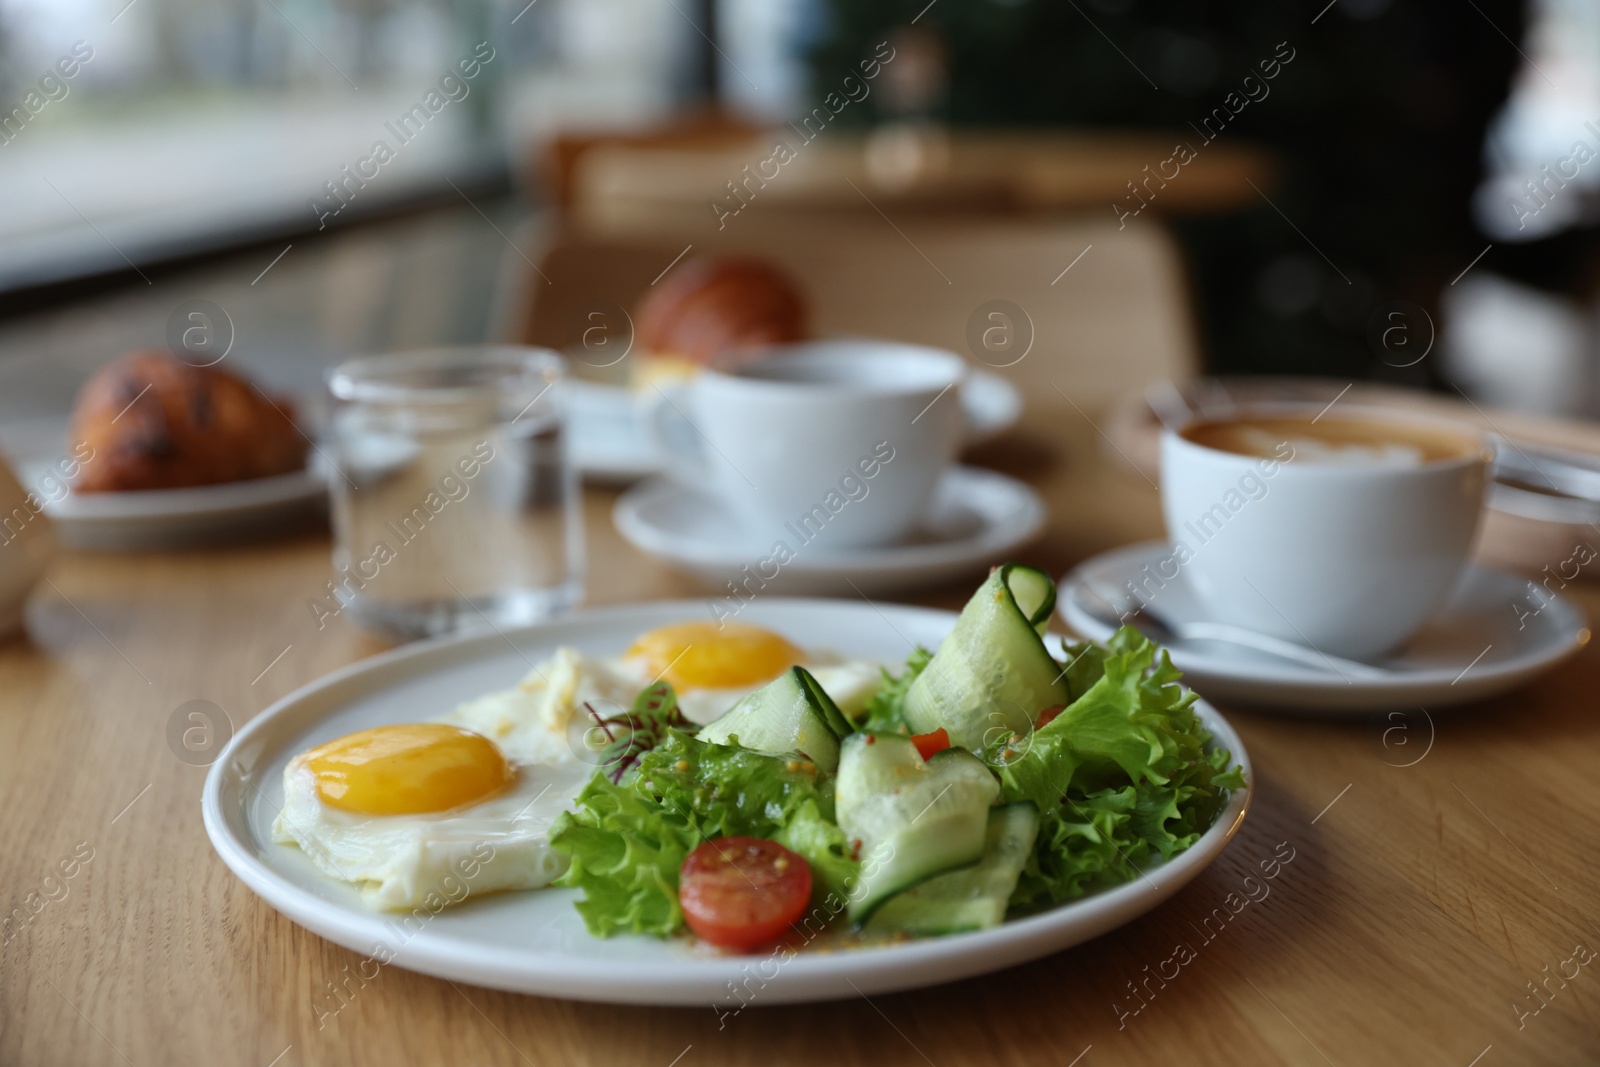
pixel 1122 777
pixel 628 841
pixel 885 711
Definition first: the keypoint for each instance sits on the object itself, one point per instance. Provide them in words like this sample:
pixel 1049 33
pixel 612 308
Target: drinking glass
pixel 455 506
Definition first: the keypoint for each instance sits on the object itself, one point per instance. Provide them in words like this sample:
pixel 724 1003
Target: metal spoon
pixel 1552 471
pixel 1164 631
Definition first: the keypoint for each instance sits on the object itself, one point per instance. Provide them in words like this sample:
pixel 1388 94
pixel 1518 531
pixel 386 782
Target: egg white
pixel 533 722
pixel 542 725
pixel 404 861
pixel 543 719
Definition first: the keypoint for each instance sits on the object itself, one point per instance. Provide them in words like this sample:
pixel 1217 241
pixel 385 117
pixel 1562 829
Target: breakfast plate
pixel 535 942
pixel 1496 632
pixel 610 441
pixel 977 517
pixel 157 518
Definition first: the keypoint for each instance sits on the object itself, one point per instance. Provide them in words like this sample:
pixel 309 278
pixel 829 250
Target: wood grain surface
pixel 1434 872
pixel 636 187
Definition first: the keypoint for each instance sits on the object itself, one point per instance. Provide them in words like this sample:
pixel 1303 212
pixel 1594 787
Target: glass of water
pixel 454 504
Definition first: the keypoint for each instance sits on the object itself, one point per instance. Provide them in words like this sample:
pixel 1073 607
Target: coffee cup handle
pixel 676 440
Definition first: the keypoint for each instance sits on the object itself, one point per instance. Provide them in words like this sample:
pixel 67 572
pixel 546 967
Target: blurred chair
pixel 558 161
pixel 1109 308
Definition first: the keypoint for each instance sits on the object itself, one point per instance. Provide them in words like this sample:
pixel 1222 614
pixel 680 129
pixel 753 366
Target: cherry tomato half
pixel 928 744
pixel 743 892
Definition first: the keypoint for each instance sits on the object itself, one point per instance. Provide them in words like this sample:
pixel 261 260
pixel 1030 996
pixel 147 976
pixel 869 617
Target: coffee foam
pixel 1260 442
pixel 1352 442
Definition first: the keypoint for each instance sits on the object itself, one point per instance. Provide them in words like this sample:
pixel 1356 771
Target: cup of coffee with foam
pixel 1341 531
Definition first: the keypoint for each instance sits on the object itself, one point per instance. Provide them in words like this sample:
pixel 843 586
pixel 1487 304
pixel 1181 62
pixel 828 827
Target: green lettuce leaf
pixel 627 842
pixel 625 858
pixel 825 848
pixel 885 711
pixel 1122 777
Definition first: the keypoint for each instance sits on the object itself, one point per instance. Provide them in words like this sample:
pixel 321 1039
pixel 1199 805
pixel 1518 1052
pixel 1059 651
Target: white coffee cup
pixel 837 442
pixel 1347 555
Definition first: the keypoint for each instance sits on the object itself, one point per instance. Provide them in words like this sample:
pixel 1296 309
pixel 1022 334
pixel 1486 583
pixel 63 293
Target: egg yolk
pixel 700 655
pixel 408 769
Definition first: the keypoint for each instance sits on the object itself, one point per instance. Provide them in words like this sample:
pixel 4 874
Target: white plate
pixel 1471 649
pixel 610 443
pixel 976 519
pixel 534 942
pixel 158 518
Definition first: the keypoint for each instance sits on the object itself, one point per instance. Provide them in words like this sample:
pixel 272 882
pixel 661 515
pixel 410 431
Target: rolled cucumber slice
pixel 972 899
pixel 791 713
pixel 913 818
pixel 993 672
pixel 837 722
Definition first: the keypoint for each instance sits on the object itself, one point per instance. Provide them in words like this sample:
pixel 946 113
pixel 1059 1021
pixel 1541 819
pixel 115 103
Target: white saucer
pixel 977 517
pixel 159 518
pixel 606 435
pixel 1469 650
pixel 609 441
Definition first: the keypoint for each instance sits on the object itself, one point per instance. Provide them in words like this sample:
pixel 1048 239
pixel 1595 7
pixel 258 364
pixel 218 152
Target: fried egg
pixel 427 814
pixel 710 667
pixel 424 815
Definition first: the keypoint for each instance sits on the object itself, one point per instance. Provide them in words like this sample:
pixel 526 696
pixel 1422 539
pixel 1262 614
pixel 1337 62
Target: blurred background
pixel 1345 164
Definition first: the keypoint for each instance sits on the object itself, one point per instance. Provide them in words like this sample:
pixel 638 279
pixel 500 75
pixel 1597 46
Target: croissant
pixel 713 309
pixel 156 422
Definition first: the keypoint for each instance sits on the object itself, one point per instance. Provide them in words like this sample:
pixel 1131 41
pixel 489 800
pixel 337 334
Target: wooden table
pixel 1418 903
pixel 646 188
